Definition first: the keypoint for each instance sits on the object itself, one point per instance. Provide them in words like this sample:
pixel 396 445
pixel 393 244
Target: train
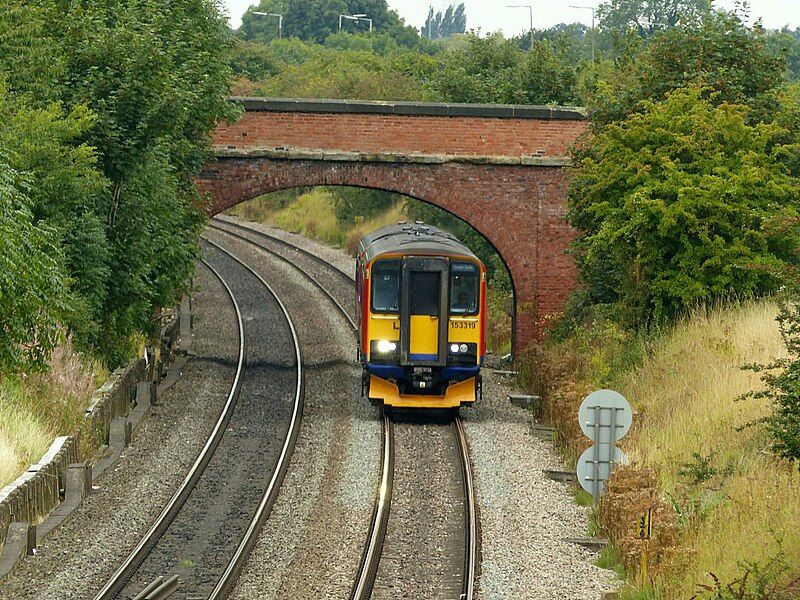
pixel 421 321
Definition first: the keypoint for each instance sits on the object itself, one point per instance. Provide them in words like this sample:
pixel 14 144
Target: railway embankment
pixel 47 492
pixel 722 503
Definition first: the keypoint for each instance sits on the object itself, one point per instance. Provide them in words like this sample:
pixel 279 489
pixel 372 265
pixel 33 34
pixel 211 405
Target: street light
pixel 591 8
pixel 356 18
pixel 530 10
pixel 280 20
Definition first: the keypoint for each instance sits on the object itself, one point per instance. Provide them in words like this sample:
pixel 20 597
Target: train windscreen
pixel 464 288
pixel 386 286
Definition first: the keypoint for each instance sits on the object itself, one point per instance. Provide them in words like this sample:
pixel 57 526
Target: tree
pixel 492 69
pixel 730 60
pixel 316 20
pixel 685 202
pixel 34 296
pixel 453 21
pixel 105 99
pixel 648 17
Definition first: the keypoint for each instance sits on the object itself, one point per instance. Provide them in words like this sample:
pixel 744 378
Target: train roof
pixel 412 238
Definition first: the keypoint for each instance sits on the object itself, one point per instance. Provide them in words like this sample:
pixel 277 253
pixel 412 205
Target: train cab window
pixel 464 288
pixel 386 286
pixel 424 293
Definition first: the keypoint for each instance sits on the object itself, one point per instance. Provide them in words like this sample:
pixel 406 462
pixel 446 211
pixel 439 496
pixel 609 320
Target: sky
pixel 491 15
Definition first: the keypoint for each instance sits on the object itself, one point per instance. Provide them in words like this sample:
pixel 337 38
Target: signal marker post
pixel 605 417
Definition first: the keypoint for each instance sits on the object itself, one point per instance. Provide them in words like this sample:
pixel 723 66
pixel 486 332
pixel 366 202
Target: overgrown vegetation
pixel 106 109
pixel 105 118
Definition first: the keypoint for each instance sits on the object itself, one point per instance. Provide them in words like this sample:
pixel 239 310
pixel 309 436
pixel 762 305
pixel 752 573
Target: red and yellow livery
pixel 422 317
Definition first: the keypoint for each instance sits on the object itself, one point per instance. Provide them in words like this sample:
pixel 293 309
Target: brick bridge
pixel 499 168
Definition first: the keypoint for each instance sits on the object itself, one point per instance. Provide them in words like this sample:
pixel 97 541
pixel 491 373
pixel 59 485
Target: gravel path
pixel 311 544
pixel 524 515
pixel 77 559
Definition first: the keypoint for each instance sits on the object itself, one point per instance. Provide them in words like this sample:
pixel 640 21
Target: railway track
pixel 370 572
pixel 208 527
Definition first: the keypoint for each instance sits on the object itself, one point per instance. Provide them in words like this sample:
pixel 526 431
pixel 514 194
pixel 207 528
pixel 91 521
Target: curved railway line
pixel 193 501
pixel 369 568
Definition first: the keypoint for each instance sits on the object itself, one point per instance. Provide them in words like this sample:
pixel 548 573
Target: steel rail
pixel 216 221
pixel 371 556
pixel 226 582
pixel 138 555
pixel 302 271
pixel 470 514
pixel 370 560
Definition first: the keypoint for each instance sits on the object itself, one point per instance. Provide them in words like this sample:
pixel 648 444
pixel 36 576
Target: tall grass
pixel 722 502
pixel 34 409
pixel 736 502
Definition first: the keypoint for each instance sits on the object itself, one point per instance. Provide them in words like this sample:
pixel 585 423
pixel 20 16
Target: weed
pixel 611 558
pixel 758 581
pixel 700 469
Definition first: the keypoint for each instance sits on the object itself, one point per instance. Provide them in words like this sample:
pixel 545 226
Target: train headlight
pixel 385 346
pixel 454 348
pixel 463 348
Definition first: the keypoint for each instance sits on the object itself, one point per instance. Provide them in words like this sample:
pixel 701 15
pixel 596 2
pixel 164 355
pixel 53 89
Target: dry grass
pixel 721 499
pixel 686 391
pixel 312 215
pixel 35 409
pixel 737 503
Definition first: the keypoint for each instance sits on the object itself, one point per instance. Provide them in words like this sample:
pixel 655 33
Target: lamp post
pixel 530 11
pixel 356 18
pixel 591 8
pixel 280 20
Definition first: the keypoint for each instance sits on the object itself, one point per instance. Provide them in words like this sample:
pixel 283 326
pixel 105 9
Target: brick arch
pixel 499 168
pixel 517 209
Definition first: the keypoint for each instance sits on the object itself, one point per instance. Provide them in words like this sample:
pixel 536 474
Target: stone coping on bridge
pixel 429 109
pixel 412 158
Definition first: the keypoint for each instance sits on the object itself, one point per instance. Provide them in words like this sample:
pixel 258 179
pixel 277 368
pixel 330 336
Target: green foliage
pixel 647 17
pixel 347 74
pixel 491 69
pixel 316 20
pixel 107 114
pixel 34 294
pixel 731 61
pixel 701 469
pixel 786 43
pixel 683 203
pixel 453 21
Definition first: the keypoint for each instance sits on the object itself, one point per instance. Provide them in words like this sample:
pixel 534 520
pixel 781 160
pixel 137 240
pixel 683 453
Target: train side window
pixel 464 288
pixel 386 286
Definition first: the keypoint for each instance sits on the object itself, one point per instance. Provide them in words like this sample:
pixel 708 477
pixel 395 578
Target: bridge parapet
pixel 404 127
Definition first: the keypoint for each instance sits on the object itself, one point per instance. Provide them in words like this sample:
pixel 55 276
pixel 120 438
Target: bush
pixel 34 296
pixel 782 380
pixel 682 204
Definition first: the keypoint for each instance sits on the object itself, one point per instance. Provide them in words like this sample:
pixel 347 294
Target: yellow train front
pixel 422 317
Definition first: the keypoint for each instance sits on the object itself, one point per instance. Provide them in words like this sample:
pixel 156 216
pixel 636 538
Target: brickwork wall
pixel 519 209
pixel 402 134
